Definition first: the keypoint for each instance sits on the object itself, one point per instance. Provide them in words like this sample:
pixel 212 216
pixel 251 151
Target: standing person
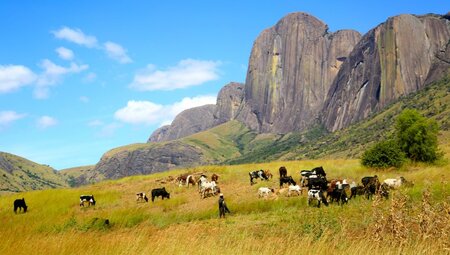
pixel 222 207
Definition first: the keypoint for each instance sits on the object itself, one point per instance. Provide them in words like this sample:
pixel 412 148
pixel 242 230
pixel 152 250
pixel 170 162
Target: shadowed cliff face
pixel 291 68
pixel 147 160
pixel 398 57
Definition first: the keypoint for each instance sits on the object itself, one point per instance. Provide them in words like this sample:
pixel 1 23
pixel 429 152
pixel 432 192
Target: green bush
pixel 417 136
pixel 384 154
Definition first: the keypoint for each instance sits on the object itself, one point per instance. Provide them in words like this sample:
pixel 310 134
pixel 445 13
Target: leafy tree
pixel 417 136
pixel 383 155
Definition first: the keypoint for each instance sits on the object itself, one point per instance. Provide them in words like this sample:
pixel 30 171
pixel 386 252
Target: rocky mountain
pixel 201 118
pixel 291 68
pixel 19 174
pixel 300 77
pixel 396 58
pixel 186 123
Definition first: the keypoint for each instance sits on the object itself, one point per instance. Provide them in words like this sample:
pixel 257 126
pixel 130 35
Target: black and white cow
pixel 160 192
pixel 316 194
pixel 257 174
pixel 141 197
pixel 87 199
pixel 307 174
pixel 20 203
pixel 287 179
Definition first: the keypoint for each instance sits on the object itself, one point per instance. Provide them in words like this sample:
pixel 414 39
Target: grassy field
pixel 413 221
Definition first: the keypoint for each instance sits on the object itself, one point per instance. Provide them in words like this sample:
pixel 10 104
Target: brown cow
pixel 215 177
pixel 283 171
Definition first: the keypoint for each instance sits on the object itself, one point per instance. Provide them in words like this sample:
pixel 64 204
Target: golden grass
pixel 186 224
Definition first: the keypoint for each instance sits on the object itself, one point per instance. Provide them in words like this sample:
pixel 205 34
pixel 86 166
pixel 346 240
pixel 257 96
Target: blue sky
pixel 79 78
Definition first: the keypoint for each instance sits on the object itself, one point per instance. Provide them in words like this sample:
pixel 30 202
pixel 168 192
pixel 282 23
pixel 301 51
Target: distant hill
pixel 19 174
pixel 77 176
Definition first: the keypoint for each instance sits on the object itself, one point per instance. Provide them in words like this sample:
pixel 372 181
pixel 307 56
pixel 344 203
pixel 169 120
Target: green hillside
pixel 19 174
pixel 76 176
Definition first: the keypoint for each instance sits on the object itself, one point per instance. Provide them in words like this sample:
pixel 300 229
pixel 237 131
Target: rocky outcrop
pixel 151 159
pixel 228 103
pixel 201 118
pixel 186 123
pixel 291 68
pixel 398 57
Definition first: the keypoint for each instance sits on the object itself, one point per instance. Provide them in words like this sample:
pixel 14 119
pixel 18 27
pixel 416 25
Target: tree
pixel 417 136
pixel 383 155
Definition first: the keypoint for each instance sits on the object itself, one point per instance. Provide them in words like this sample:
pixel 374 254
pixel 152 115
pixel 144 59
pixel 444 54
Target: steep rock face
pixel 201 118
pixel 146 161
pixel 396 58
pixel 186 123
pixel 159 134
pixel 229 100
pixel 291 68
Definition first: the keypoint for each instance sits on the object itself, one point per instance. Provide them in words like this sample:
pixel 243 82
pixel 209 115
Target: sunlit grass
pixel 185 223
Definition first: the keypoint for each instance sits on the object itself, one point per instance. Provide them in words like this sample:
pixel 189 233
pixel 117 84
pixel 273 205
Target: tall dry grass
pixel 412 221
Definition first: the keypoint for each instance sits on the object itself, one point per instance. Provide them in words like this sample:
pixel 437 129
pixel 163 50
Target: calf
pixel 20 203
pixel 87 199
pixel 268 173
pixel 287 179
pixel 318 195
pixel 264 192
pixel 141 197
pixel 160 192
pixel 294 188
pixel 356 190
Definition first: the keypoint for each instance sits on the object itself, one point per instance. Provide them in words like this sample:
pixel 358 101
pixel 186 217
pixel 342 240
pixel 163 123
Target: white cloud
pixel 117 52
pixel 76 36
pixel 145 112
pixel 46 122
pixel 187 73
pixel 13 77
pixel 53 74
pixel 139 112
pixel 65 53
pixel 8 117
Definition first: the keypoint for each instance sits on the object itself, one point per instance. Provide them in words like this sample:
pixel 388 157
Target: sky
pixel 78 78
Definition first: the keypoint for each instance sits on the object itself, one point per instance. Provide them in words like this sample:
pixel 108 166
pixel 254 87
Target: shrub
pixel 417 136
pixel 384 154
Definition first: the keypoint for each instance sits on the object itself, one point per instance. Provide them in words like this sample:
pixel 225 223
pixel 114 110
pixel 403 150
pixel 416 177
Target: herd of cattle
pixel 314 180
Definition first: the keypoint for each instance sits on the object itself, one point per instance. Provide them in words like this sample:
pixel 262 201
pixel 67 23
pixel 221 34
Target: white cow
pixel 396 183
pixel 264 191
pixel 295 188
pixel 208 188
